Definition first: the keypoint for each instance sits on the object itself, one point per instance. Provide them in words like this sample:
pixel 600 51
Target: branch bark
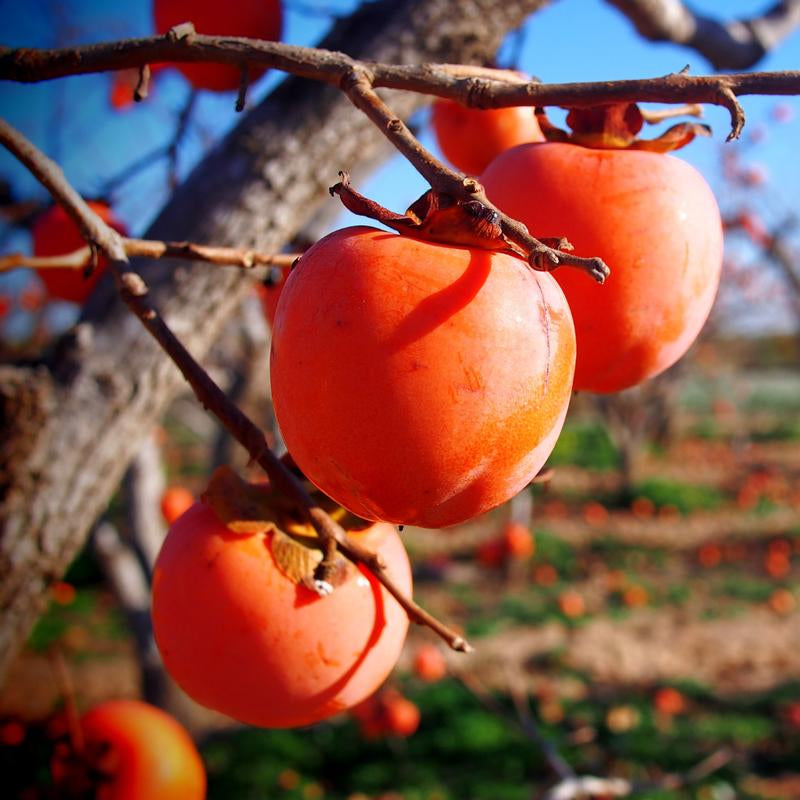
pixel 735 44
pixel 69 427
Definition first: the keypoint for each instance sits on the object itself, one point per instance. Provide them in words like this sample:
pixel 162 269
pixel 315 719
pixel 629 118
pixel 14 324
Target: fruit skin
pixel 242 638
pixel 470 138
pixel 55 234
pixel 652 218
pixel 152 755
pixel 256 19
pixel 419 383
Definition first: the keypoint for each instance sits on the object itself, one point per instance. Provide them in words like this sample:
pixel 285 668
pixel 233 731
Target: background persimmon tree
pixel 73 421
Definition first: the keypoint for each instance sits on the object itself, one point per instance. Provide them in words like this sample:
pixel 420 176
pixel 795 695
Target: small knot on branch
pixel 133 284
pixel 184 31
pixel 394 125
pixel 471 185
pixel 478 90
pixel 357 77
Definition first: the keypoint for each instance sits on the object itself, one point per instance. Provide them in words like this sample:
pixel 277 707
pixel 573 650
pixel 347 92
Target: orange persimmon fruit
pixel 256 19
pixel 470 138
pixel 174 502
pixel 55 234
pixel 518 541
pixel 652 218
pixel 241 637
pixel 419 383
pixel 140 751
pixel 429 664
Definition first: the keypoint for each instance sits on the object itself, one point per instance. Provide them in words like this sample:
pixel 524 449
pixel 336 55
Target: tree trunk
pixel 69 428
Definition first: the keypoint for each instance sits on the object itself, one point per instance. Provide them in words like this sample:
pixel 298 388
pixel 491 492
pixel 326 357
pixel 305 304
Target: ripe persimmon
pixel 470 138
pixel 137 750
pixel 652 218
pixel 429 663
pixel 256 19
pixel 518 541
pixel 55 234
pixel 174 502
pixel 241 637
pixel 419 383
pixel 401 715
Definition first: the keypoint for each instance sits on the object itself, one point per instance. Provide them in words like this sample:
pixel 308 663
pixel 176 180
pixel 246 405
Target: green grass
pixel 462 750
pixel 585 445
pixel 686 497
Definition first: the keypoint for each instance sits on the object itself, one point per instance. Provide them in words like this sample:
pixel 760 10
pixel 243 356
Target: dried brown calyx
pixel 617 127
pixel 249 509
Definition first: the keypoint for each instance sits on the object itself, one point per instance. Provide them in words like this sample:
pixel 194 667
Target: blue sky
pixel 570 40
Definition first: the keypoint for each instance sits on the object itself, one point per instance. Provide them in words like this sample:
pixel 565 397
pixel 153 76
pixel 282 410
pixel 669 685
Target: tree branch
pixel 735 44
pixel 473 86
pixel 358 87
pixel 149 248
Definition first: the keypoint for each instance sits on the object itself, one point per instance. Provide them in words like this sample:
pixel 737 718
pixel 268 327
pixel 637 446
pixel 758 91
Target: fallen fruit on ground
pixel 55 234
pixel 419 383
pixel 518 541
pixel 241 637
pixel 255 19
pixel 130 751
pixel 429 663
pixel 652 218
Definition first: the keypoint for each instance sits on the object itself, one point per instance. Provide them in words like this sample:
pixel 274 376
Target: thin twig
pixel 134 293
pixel 358 88
pixel 465 84
pixel 151 248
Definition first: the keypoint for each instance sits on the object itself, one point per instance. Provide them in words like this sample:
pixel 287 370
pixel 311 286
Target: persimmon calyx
pixel 616 127
pixel 247 509
pixel 435 217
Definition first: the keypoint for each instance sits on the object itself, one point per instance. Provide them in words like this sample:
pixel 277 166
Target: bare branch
pixel 358 87
pixel 150 248
pixel 735 44
pixel 469 85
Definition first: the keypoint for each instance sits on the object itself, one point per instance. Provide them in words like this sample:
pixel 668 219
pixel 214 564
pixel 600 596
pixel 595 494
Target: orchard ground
pixel 688 579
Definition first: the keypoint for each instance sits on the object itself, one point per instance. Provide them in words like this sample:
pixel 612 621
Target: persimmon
pixel 54 234
pixel 175 501
pixel 652 218
pixel 138 750
pixel 419 383
pixel 470 138
pixel 518 541
pixel 257 19
pixel 669 701
pixel 387 713
pixel 400 714
pixel 241 637
pixel 429 663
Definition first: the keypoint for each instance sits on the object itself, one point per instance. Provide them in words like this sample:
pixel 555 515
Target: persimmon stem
pixel 359 87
